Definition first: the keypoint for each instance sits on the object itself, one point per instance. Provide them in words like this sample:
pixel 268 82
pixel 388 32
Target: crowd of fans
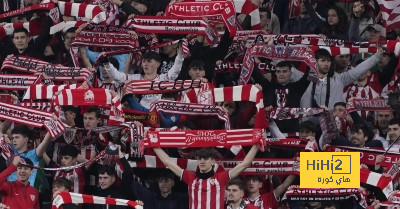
pixel 287 84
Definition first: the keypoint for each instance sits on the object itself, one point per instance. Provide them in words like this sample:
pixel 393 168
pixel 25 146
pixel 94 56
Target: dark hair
pixel 307 126
pixel 340 103
pixel 187 124
pixel 356 127
pixel 69 108
pixel 331 204
pixel 95 110
pixel 238 183
pixel 197 64
pixel 69 150
pixel 341 26
pixel 284 64
pixel 19 30
pixel 322 53
pixel 152 55
pixel 107 170
pixel 70 30
pixel 165 174
pixel 394 121
pixel 23 130
pixel 205 153
pixel 367 10
pixel 254 178
pixel 27 161
pixel 114 62
pixel 62 182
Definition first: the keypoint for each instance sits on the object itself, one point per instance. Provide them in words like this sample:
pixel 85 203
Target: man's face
pixel 169 49
pixel 324 64
pixel 106 180
pixel 306 133
pixel 150 66
pixel 196 73
pixel 342 61
pixel 90 120
pixel 383 119
pixel 69 117
pixel 283 74
pixel 358 138
pixel 253 186
pixel 234 193
pixel 373 35
pixel 19 141
pixel 21 40
pixel 23 173
pixel 339 111
pixel 165 185
pixel 142 8
pixel 67 161
pixel 205 164
pixel 69 38
pixel 384 61
pixel 263 19
pixel 393 131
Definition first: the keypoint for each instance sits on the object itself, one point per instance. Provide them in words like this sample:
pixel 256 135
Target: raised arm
pixel 166 160
pixel 43 145
pixel 245 163
pixel 173 73
pixel 282 188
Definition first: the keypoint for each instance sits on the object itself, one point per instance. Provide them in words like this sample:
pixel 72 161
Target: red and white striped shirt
pixel 264 201
pixel 75 176
pixel 206 193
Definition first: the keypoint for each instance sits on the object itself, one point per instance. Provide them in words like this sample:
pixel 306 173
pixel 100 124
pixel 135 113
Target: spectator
pixel 63 185
pixel 330 88
pixel 18 193
pixel 235 190
pixel 383 118
pixel 166 198
pixel 360 20
pixel 266 200
pixel 197 182
pixel 306 22
pixel 21 135
pixel 394 131
pixel 337 25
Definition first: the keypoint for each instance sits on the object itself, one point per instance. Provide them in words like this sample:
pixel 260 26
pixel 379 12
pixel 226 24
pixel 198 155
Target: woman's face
pixel 140 7
pixel 196 73
pixel 230 106
pixel 358 8
pixel 333 18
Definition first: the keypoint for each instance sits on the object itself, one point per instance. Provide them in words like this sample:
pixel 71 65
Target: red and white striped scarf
pixel 173 107
pixel 134 134
pixel 92 96
pixel 295 193
pixel 112 11
pixel 376 179
pixel 244 7
pixel 69 197
pixel 212 10
pixel 317 41
pixel 88 11
pixel 158 87
pixel 293 112
pixel 53 72
pixel 173 25
pixel 390 14
pixel 45 91
pixel 275 52
pixel 32 117
pixel 34 28
pixel 37 7
pixel 378 104
pixel 393 85
pixel 203 138
pixel 368 155
pixel 65 25
pixel 45 106
pixel 18 82
pixel 100 37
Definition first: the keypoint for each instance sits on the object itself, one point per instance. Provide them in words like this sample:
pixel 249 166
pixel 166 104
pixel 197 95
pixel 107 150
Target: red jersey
pixel 15 194
pixel 206 193
pixel 265 201
pixel 75 176
pixel 244 205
